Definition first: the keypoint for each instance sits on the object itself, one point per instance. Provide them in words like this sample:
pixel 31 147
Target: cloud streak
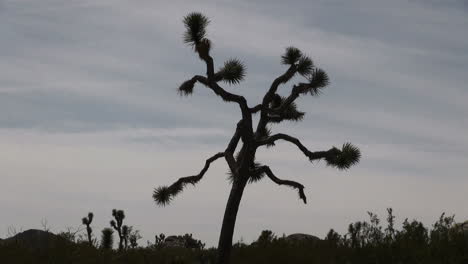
pixel 90 118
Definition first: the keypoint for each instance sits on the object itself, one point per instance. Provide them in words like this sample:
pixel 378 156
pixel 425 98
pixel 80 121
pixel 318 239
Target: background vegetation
pixel 365 242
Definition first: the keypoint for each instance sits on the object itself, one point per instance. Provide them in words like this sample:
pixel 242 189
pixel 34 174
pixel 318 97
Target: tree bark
pixel 229 221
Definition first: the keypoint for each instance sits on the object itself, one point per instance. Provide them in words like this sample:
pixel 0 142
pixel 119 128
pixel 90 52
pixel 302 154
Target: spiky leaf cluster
pixel 119 215
pixel 163 195
pixel 305 66
pixel 186 88
pixel 195 25
pixel 343 159
pixel 291 56
pixel 290 112
pixel 233 72
pixel 87 220
pixel 263 133
pixel 318 80
pixel 255 173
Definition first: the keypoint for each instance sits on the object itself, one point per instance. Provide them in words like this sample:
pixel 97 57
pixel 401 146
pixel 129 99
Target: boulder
pixel 35 239
pixel 301 238
pixel 174 241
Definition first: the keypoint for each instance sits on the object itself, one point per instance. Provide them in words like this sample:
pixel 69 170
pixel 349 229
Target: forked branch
pixel 164 194
pixel 293 184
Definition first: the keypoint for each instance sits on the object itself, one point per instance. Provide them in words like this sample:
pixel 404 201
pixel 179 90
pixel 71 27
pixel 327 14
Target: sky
pixel 90 119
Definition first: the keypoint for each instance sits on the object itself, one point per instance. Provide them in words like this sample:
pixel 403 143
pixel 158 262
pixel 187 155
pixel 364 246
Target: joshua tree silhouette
pixel 122 230
pixel 87 221
pixel 273 109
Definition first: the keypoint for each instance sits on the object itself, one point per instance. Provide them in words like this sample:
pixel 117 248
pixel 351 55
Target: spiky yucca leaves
pixel 263 133
pixel 119 216
pixel 195 25
pixel 343 159
pixel 195 33
pixel 289 113
pixel 291 56
pixel 233 72
pixel 186 88
pixel 255 173
pixel 305 66
pixel 163 195
pixel 318 80
pixel 87 220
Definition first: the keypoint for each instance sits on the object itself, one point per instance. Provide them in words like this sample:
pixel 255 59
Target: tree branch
pixel 342 159
pixel 225 95
pixel 269 95
pixel 229 153
pixel 311 155
pixel 256 108
pixel 213 85
pixel 163 195
pixel 293 184
pixel 314 88
pixel 281 79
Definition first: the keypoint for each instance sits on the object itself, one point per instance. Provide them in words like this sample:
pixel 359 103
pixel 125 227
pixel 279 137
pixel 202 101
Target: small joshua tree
pixel 273 109
pixel 133 237
pixel 117 224
pixel 87 221
pixel 125 234
pixel 107 238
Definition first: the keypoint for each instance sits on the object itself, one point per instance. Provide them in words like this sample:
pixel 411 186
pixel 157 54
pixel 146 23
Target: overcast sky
pixel 90 119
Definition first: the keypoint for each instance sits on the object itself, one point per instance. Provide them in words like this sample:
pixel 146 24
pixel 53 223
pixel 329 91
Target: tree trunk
pixel 88 230
pixel 229 221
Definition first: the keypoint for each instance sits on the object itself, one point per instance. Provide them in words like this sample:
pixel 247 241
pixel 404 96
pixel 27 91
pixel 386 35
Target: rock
pixel 35 239
pixel 174 241
pixel 301 238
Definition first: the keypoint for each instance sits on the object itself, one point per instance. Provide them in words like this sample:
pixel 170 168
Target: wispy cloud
pixel 89 111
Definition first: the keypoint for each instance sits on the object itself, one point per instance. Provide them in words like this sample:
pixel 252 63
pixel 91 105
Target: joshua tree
pixel 87 221
pixel 107 238
pixel 122 230
pixel 133 237
pixel 273 109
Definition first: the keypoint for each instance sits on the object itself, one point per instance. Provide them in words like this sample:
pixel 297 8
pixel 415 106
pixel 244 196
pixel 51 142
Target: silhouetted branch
pixel 229 153
pixel 311 155
pixel 256 109
pixel 264 107
pixel 341 159
pixel 281 79
pixel 293 184
pixel 187 88
pixel 163 195
pixel 318 80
